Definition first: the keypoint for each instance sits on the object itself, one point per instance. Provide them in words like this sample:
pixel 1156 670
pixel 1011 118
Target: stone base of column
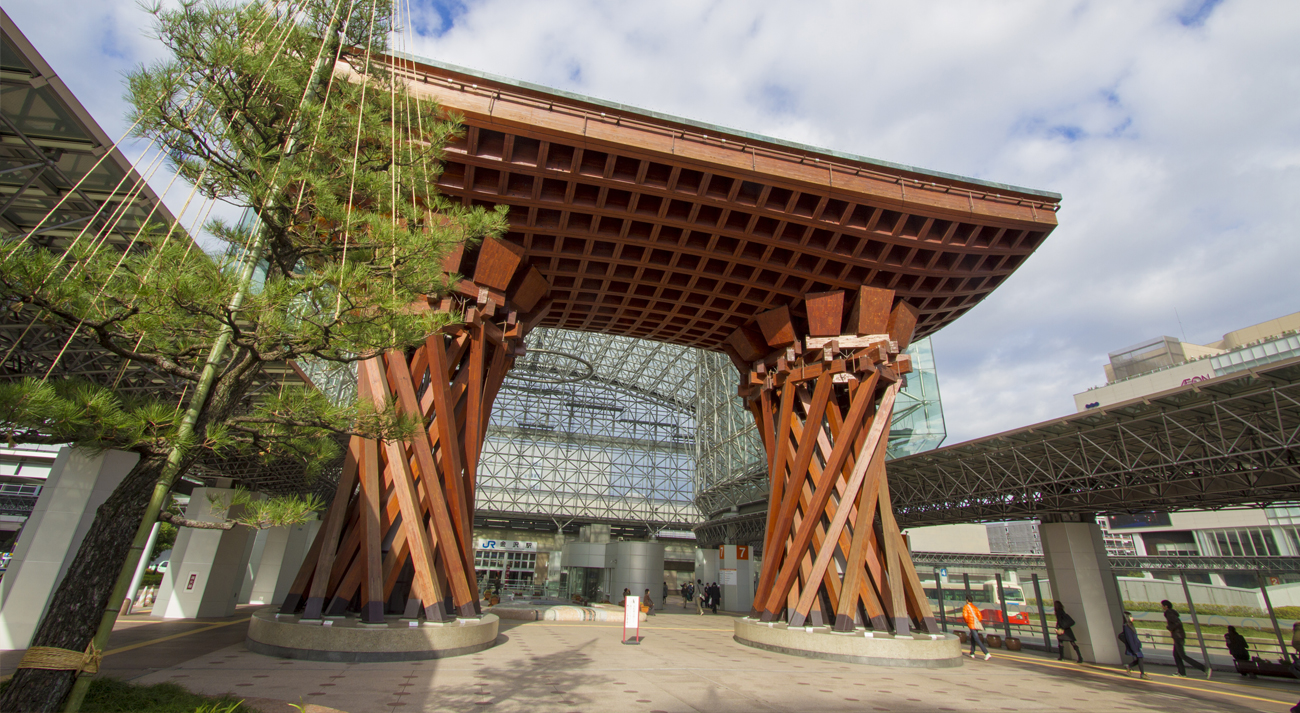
pixel 859 646
pixel 348 639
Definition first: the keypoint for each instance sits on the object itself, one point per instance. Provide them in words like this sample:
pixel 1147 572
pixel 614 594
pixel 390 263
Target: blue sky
pixel 1170 127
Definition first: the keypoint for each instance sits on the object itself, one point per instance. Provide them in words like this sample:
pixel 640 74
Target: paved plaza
pixel 686 663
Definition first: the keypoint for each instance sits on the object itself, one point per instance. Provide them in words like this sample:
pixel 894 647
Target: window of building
pixel 1176 549
pixel 1239 542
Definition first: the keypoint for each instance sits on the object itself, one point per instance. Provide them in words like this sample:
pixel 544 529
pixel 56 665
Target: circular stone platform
pixel 346 639
pixel 819 642
pixel 543 610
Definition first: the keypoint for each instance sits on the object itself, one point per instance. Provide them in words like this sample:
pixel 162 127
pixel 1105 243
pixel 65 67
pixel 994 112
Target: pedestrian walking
pixel 976 627
pixel 700 593
pixel 1133 647
pixel 665 599
pixel 717 595
pixel 1065 632
pixel 1175 626
pixel 648 604
pixel 1237 645
pixel 686 595
pixel 1295 638
pixel 626 593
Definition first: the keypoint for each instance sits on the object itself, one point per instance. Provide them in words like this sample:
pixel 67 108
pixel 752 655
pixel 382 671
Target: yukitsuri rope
pixel 56 659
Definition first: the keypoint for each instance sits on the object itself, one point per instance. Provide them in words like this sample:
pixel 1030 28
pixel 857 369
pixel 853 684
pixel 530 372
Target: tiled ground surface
pixel 686 663
pixel 689 663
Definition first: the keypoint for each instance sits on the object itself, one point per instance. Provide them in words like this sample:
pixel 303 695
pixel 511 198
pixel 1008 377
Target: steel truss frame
pixel 616 447
pixel 1230 441
pixel 1263 565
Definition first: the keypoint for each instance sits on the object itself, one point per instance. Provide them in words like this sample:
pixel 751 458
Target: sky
pixel 1171 129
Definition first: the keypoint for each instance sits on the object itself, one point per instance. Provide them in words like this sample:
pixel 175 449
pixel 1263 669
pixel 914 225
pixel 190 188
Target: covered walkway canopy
pixel 1231 441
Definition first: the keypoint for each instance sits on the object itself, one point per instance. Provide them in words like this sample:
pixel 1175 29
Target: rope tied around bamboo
pixel 56 659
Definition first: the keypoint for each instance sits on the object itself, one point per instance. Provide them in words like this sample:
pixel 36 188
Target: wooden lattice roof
pixel 666 229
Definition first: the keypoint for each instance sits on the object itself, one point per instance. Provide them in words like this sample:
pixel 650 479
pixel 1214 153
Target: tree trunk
pixel 75 610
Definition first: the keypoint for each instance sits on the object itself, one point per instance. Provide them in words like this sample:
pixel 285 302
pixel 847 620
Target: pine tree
pixel 287 110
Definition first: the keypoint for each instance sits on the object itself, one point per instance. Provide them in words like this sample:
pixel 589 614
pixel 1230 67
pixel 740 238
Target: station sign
pixel 508 545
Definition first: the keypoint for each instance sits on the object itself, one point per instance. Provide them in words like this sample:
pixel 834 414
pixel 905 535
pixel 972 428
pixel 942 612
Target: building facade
pixel 1164 363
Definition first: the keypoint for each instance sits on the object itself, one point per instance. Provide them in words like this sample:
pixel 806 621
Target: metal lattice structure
pixel 594 427
pixel 731 467
pixel 1267 565
pixel 1230 441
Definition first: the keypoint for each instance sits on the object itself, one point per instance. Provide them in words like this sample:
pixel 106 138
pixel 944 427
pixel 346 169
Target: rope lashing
pixel 56 659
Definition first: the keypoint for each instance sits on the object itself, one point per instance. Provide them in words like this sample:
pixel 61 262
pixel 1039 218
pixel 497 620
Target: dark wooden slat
pixel 372 607
pixel 332 528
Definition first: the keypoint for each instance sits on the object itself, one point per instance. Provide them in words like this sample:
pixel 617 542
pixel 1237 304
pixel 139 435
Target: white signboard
pixel 632 618
pixel 511 545
pixel 728 576
pixel 632 612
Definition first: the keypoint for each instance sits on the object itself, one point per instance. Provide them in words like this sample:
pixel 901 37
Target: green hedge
pixel 1219 609
pixel 1207 609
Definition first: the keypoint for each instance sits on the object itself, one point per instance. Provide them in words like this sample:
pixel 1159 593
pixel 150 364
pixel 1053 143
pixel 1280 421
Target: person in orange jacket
pixel 972 617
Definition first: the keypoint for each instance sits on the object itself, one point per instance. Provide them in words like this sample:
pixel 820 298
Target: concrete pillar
pixel 1081 579
pixel 256 546
pixel 79 482
pixel 207 566
pixel 637 566
pixel 735 574
pixel 283 551
pixel 706 565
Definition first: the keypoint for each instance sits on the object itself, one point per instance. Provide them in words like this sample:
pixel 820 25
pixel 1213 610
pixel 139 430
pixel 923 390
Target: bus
pixel 984 594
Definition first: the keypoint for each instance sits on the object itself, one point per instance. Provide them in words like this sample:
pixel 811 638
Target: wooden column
pixel 821 386
pixel 412 502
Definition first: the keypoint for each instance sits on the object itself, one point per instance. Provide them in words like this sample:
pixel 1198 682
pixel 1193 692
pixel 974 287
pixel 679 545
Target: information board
pixel 632 618
pixel 728 576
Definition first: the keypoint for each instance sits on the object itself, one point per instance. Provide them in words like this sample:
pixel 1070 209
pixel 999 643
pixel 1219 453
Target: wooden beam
pixel 825 312
pixel 870 311
pixel 825 484
pixel 372 605
pixel 417 536
pixel 333 528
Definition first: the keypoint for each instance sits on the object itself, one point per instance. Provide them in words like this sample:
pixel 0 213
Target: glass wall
pixel 1261 607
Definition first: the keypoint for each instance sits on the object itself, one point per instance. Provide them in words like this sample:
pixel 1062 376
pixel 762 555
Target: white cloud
pixel 1175 146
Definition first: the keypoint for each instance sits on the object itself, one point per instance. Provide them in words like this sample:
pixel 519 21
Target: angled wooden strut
pixel 397 537
pixel 821 387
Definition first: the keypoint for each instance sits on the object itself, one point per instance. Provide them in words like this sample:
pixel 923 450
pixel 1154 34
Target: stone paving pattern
pixel 689 663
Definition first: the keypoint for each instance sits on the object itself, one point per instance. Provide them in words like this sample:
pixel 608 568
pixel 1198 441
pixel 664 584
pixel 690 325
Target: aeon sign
pixel 1197 379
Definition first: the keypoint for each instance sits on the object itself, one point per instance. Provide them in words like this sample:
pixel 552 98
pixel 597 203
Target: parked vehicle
pixel 985 595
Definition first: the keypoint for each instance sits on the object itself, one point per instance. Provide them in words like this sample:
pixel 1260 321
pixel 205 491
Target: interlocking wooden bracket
pixel 833 551
pixel 398 536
